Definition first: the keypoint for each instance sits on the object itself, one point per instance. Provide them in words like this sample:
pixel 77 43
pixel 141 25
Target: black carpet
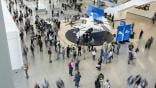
pixel 98 37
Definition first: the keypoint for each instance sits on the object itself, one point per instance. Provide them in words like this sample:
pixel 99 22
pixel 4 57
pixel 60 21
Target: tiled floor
pixel 117 71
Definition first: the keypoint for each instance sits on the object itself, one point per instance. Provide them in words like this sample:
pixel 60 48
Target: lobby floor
pixel 117 72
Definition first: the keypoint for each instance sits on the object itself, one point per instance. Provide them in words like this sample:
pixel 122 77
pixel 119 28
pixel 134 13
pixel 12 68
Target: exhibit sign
pixel 120 34
pixel 127 32
pixel 95 12
pixel 123 32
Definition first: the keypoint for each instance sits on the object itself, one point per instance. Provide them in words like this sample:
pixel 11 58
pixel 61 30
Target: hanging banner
pixel 120 34
pixel 124 32
pixel 95 12
pixel 127 32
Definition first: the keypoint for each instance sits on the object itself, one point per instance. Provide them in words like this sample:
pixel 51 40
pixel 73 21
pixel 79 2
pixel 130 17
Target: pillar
pixel 6 80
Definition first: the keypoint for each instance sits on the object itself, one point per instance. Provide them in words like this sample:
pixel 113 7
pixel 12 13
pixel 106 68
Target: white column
pixel 6 80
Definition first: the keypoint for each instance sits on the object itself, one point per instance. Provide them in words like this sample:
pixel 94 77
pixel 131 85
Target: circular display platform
pixel 97 38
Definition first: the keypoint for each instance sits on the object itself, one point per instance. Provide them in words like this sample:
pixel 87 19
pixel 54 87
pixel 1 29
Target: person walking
pixel 60 83
pixel 153 19
pixel 130 57
pixel 130 81
pixel 50 53
pixel 79 50
pixel 26 70
pixel 149 43
pixel 63 53
pixel 141 33
pixel 32 49
pixel 74 54
pixel 110 55
pixel 93 54
pixel 77 79
pixel 46 41
pixel 21 36
pixel 118 49
pixel 45 84
pixel 25 51
pixel 98 66
pixel 107 84
pixel 70 66
pixel 37 86
pixel 105 56
pixel 40 45
pixel 97 83
pixel 68 51
pixel 84 50
pixel 77 64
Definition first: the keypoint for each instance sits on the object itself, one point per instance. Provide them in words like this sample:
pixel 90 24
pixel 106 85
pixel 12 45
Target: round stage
pixel 97 38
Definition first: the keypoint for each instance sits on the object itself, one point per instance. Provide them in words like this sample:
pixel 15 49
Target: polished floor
pixel 117 71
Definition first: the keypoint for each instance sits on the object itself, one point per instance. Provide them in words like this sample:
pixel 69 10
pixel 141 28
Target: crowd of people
pixel 137 82
pixel 42 33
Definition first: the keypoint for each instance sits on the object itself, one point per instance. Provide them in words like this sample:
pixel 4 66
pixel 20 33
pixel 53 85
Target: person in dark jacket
pixel 40 45
pixel 68 51
pixel 50 54
pixel 141 33
pixel 37 86
pixel 77 79
pixel 97 83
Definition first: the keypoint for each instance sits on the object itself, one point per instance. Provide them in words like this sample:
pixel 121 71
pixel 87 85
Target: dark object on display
pixel 97 38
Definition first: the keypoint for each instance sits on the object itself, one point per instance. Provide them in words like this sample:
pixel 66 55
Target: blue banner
pixel 120 34
pixel 127 32
pixel 89 10
pixel 123 32
pixel 95 12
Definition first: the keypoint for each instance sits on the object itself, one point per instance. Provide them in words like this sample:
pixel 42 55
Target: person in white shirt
pixel 106 84
pixel 44 84
pixel 93 54
pixel 110 55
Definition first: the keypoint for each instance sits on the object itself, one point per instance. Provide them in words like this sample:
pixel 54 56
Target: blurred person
pixel 60 83
pixel 26 70
pixel 107 84
pixel 44 84
pixel 77 79
pixel 37 86
pixel 50 53
pixel 97 83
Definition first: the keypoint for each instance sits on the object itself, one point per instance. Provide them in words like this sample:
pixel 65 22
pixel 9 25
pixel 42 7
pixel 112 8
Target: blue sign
pixel 123 32
pixel 89 10
pixel 127 32
pixel 95 12
pixel 120 34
